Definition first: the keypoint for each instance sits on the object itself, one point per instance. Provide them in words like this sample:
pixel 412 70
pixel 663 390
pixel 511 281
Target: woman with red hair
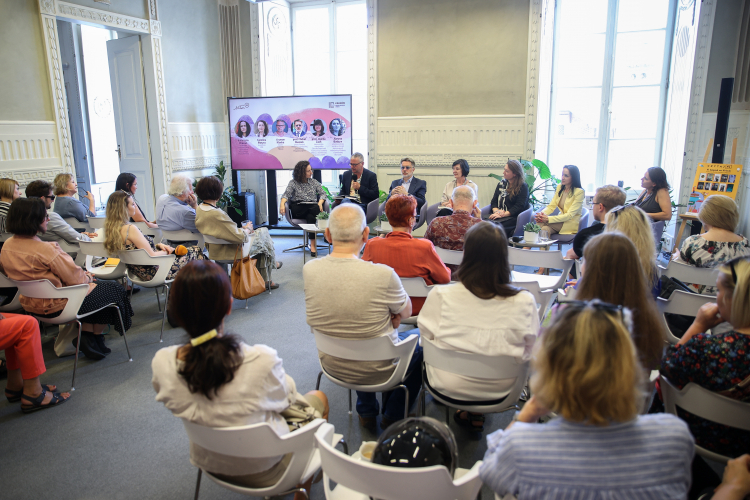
pixel 408 256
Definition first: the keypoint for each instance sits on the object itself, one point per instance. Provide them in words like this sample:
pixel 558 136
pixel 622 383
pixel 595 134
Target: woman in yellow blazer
pixel 569 199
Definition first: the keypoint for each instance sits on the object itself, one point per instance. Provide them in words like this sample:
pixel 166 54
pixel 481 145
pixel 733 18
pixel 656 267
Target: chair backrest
pixel 93 249
pixel 691 274
pixel 486 212
pixel 421 218
pixel 14 304
pixel 431 212
pixel 543 298
pixel 392 483
pixel 450 256
pixel 76 224
pixel 381 209
pixel 473 365
pixel 43 289
pixel 141 257
pixel 708 405
pixel 96 222
pixel 538 258
pixel 583 222
pixel 183 235
pixel 416 287
pixel 288 216
pixel 154 232
pixel 217 241
pixel 657 228
pixel 372 211
pixel 681 302
pixel 377 349
pixel 523 219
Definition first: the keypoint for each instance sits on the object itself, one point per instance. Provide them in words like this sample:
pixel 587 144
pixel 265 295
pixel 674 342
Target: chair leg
pixel 158 302
pixel 75 362
pixel 406 400
pixel 245 303
pixel 423 402
pixel 198 484
pixel 342 441
pixel 164 314
pixel 447 415
pixel 317 384
pixel 124 337
pixel 350 401
pixel 296 490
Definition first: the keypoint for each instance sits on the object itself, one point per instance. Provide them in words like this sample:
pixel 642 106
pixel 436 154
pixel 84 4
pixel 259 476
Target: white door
pixel 128 94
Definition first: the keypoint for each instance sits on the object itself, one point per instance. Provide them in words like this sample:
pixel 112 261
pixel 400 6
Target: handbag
pixel 246 279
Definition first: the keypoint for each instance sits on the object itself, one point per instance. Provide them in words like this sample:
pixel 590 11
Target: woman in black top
pixel 511 197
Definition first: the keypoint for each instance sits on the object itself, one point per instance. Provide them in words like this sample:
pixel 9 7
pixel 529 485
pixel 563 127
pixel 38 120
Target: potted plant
pixel 227 200
pixel 531 232
pixel 384 224
pixel 322 220
pixel 538 179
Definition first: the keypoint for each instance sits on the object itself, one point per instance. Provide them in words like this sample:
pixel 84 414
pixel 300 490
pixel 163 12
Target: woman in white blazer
pixel 569 199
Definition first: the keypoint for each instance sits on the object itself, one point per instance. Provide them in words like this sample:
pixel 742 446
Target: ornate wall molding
pixel 29 151
pixel 76 12
pixel 161 103
pixel 153 10
pixel 255 47
pixel 532 76
pixel 156 28
pixel 372 83
pixel 195 146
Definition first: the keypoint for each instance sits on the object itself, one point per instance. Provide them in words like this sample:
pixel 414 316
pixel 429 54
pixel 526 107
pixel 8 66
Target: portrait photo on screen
pixel 722 188
pixel 281 126
pixel 244 127
pixel 318 128
pixel 337 127
pixel 261 128
pixel 299 128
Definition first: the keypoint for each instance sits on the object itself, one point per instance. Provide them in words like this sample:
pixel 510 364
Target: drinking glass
pixel 543 235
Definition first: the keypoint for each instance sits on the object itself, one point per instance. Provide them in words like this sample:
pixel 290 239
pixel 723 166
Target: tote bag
pixel 246 279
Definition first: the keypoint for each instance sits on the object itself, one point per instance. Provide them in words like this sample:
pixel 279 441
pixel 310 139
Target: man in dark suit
pixel 360 181
pixel 409 184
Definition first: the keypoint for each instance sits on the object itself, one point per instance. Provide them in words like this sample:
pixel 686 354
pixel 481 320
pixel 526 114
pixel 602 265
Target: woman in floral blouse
pixel 719 243
pixel 717 362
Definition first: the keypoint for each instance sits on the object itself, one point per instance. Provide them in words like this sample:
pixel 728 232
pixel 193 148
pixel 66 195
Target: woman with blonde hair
pixel 511 197
pixel 121 235
pixel 636 225
pixel 624 285
pixel 587 372
pixel 67 206
pixel 9 191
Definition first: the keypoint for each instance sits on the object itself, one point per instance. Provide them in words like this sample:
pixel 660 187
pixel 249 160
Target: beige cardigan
pixel 215 222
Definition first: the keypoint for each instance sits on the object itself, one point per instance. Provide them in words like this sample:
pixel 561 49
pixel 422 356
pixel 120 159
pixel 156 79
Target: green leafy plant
pixel 329 196
pixel 383 217
pixel 535 171
pixel 382 196
pixel 323 216
pixel 226 201
pixel 532 227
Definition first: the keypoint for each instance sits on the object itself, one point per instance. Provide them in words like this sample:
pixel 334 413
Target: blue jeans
pixel 393 401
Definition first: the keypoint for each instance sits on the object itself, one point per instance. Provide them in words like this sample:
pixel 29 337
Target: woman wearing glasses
pixel 586 371
pixel 128 183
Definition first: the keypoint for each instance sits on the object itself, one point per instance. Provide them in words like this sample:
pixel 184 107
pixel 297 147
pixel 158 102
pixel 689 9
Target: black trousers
pixel 307 211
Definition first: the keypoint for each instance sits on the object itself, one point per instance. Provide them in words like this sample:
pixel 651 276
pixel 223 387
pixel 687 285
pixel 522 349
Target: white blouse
pixel 456 319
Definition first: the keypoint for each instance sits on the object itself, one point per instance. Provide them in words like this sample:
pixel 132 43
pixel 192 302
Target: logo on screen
pixel 330 105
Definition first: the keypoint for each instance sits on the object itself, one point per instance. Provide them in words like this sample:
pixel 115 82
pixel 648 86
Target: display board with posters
pixel 274 133
pixel 714 178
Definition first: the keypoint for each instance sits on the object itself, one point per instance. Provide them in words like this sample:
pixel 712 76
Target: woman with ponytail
pixel 217 380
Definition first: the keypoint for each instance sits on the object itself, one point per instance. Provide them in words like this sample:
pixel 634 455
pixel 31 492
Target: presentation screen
pixel 274 133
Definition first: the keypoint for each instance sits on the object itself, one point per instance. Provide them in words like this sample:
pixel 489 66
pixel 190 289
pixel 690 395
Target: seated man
pixel 409 184
pixel 359 182
pixel 605 199
pixel 175 210
pixel 448 231
pixel 348 298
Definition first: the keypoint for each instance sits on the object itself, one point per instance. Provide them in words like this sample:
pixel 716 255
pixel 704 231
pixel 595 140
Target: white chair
pixel 43 289
pixel 552 259
pixel 707 405
pixel 477 366
pixel 96 222
pixel 415 287
pixel 261 441
pixel 92 249
pixel 583 223
pixel 181 235
pixel 543 298
pixel 73 249
pixel 5 237
pixel 15 304
pixel 141 258
pixel 76 224
pixel 377 349
pixel 690 274
pixel 361 480
pixel 681 303
pixel 154 232
pixel 450 256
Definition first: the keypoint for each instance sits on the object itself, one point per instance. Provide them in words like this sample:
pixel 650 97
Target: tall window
pixel 610 69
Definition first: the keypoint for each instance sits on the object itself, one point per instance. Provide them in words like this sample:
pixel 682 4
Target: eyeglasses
pixel 596 304
pixel 46 217
pixel 406 167
pixel 355 164
pixel 51 197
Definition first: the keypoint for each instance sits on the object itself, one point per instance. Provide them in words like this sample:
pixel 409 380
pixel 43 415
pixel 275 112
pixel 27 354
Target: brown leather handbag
pixel 246 279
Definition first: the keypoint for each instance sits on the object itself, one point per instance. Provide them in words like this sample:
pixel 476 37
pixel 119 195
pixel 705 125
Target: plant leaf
pixel 530 180
pixel 499 178
pixel 543 169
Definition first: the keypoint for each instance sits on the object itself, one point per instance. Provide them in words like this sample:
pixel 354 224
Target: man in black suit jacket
pixel 366 184
pixel 415 187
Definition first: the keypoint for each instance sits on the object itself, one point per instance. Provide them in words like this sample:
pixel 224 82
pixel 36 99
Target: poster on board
pixel 714 178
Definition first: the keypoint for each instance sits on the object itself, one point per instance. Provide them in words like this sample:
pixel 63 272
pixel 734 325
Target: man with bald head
pixel 348 298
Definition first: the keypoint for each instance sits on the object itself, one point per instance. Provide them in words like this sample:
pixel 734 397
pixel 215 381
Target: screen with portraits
pixel 274 133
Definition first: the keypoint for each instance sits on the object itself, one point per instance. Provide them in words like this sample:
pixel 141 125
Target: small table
pixel 685 217
pixel 540 244
pixel 379 230
pixel 315 230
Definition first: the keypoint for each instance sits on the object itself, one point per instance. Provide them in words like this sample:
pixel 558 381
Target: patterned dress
pixel 716 362
pixel 147 273
pixel 699 252
pixel 448 232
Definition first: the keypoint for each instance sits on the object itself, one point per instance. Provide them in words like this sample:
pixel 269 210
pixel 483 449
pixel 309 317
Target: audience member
pixel 736 483
pixel 460 172
pixel 66 205
pixel 482 314
pixel 586 371
pixel 635 224
pixel 511 197
pixel 569 200
pixel 408 184
pixel 305 196
pixel 409 257
pixel 217 380
pixel 612 273
pixel 348 298
pixel 129 183
pixel 22 342
pixel 121 235
pixel 655 199
pixel 719 216
pixel 718 361
pixel 448 231
pixel 213 221
pixel 605 199
pixel 57 228
pixel 417 442
pixel 175 210
pixel 9 191
pixel 358 183
pixel 25 257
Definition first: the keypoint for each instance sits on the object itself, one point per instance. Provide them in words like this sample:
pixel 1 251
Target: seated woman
pixel 305 196
pixel 217 380
pixel 19 336
pixel 636 225
pixel 129 183
pixel 586 371
pixel 482 314
pixel 65 188
pixel 718 361
pixel 9 191
pixel 25 257
pixel 120 235
pixel 624 285
pixel 719 244
pixel 569 199
pixel 409 257
pixel 460 172
pixel 511 197
pixel 654 199
pixel 213 221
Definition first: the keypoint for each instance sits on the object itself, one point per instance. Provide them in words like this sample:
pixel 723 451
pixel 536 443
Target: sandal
pixel 270 285
pixel 468 422
pixel 36 403
pixel 279 264
pixel 15 396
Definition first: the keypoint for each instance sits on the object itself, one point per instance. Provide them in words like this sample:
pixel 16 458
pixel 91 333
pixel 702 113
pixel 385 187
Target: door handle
pixel 119 153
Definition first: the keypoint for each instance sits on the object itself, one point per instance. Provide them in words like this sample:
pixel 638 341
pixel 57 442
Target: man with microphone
pixel 358 184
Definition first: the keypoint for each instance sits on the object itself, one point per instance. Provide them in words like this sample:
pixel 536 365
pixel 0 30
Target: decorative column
pixel 372 83
pixel 532 78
